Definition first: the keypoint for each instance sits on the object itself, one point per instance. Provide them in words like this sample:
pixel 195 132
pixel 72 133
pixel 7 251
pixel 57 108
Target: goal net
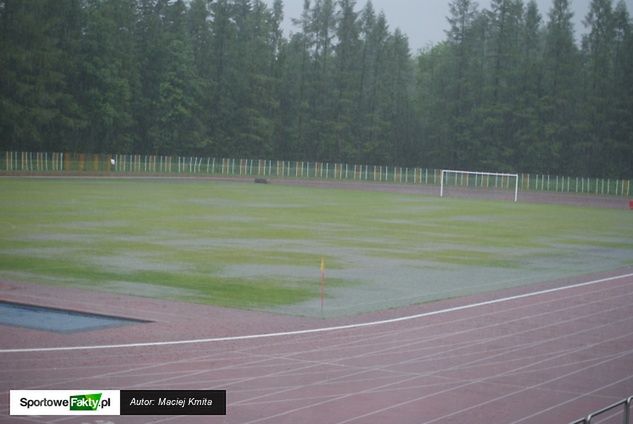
pixel 492 185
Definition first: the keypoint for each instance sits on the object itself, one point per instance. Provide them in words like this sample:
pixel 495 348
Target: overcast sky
pixel 424 21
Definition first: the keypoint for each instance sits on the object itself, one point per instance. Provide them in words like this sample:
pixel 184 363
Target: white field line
pixel 318 330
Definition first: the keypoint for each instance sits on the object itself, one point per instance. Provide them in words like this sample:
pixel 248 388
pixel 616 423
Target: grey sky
pixel 424 21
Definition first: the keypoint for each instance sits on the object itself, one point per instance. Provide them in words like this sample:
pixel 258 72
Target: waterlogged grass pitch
pixel 259 246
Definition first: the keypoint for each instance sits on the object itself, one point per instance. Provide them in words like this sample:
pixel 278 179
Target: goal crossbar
pixel 489 174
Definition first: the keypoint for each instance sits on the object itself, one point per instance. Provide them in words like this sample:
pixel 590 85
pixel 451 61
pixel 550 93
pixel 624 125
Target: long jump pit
pixel 547 353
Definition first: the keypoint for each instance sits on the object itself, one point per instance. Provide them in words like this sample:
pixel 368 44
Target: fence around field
pixel 101 164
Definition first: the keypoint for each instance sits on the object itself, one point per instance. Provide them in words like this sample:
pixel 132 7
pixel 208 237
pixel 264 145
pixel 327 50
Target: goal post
pixel 495 180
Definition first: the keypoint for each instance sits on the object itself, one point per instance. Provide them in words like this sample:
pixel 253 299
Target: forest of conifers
pixel 511 88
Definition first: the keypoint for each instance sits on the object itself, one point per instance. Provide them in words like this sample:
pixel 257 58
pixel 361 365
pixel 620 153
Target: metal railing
pixel 625 403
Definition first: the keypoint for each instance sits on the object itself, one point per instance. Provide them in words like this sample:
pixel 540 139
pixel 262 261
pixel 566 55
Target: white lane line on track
pixel 318 330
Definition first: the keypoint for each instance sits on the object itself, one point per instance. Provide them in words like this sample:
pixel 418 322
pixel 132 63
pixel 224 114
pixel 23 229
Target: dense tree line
pixel 508 89
pixel 511 89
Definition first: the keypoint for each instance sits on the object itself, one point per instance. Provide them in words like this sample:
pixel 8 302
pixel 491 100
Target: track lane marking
pixel 318 330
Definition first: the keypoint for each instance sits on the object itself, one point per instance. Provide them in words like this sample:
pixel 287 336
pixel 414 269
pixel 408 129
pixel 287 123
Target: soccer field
pixel 254 246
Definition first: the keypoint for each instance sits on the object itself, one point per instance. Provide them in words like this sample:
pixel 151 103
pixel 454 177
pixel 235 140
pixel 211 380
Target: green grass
pixel 259 246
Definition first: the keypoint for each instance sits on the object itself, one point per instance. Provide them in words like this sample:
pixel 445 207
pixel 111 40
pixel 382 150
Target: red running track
pixel 549 356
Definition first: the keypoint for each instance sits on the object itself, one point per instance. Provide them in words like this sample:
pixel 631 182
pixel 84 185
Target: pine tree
pixel 323 143
pixel 373 150
pixel 253 83
pixel 529 132
pixel 110 76
pixel 595 152
pixel 433 86
pixel 347 73
pixel 39 53
pixel 621 159
pixel 401 131
pixel 506 25
pixel 559 103
pixel 461 90
pixel 179 128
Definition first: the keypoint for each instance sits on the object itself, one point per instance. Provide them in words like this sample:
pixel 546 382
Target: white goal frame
pixel 483 174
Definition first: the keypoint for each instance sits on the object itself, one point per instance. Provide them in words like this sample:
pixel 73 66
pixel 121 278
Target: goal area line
pixel 482 174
